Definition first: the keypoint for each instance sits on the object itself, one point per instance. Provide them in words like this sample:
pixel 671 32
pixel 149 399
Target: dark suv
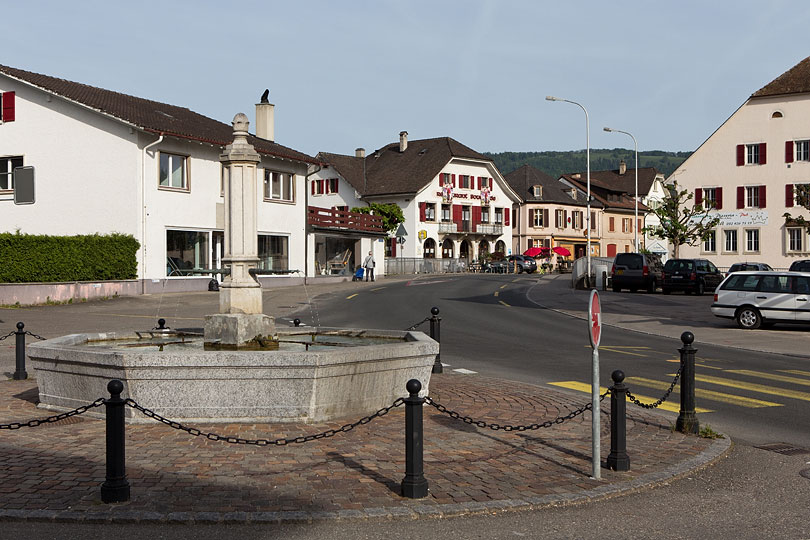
pixel 524 263
pixel 800 266
pixel 636 271
pixel 690 275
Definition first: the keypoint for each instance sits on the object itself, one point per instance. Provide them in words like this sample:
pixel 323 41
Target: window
pixel 709 197
pixel 802 150
pixel 752 196
pixel 446 179
pixel 499 216
pixel 576 219
pixel 186 250
pixel 445 212
pixel 538 191
pixel 752 154
pixel 7 166
pixel 593 221
pixel 795 237
pixel 273 252
pixel 485 214
pixel 279 186
pixel 710 242
pixel 559 219
pixel 173 173
pixel 537 218
pixel 430 212
pixel 752 240
pixel 223 173
pixel 464 181
pixel 730 240
pixel 627 225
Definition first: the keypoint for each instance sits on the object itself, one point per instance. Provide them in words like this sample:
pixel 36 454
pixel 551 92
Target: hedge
pixel 27 258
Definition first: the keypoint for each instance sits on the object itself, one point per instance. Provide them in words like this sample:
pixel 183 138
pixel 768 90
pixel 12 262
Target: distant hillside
pixel 556 163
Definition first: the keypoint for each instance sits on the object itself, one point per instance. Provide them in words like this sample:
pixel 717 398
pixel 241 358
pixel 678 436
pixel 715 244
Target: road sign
pixel 401 230
pixel 594 319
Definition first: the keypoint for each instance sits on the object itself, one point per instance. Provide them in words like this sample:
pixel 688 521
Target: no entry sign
pixel 594 319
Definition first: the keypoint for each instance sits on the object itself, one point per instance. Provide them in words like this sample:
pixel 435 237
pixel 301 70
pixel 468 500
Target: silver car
pixel 755 299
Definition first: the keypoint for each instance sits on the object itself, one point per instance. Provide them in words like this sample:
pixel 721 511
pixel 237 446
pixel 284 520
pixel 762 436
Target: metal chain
pixel 426 319
pixel 35 336
pixel 507 427
pixel 7 335
pixel 635 400
pixel 264 442
pixel 51 419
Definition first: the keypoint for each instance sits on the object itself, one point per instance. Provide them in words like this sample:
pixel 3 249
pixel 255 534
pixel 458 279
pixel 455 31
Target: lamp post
pixel 635 220
pixel 588 177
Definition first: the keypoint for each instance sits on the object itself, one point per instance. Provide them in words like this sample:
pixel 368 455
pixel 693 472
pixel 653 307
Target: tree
pixel 390 213
pixel 682 223
pixel 802 194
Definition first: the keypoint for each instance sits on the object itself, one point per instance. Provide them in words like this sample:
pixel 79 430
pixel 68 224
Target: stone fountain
pixel 238 373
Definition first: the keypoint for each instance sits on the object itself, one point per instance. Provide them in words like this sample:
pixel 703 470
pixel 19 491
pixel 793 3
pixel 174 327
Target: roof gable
pixel 796 80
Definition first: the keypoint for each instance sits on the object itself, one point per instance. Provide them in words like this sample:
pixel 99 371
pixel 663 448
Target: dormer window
pixel 573 193
pixel 537 191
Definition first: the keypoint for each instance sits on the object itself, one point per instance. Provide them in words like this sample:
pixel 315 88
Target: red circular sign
pixel 594 319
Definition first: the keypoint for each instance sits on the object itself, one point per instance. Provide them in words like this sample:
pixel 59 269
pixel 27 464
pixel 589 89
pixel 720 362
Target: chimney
pixel 265 118
pixel 622 167
pixel 360 152
pixel 403 141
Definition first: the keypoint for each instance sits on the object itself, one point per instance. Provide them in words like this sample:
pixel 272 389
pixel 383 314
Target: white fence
pixel 418 265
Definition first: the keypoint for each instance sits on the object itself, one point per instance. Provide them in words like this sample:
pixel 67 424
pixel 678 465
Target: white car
pixel 761 298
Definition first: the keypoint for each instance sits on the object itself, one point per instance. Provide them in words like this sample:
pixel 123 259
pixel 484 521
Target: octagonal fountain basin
pixel 314 376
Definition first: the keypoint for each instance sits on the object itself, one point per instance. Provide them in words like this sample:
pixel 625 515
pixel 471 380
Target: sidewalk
pixel 53 472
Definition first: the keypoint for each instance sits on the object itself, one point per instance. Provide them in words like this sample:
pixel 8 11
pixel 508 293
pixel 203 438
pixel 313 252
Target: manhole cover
pixel 784 449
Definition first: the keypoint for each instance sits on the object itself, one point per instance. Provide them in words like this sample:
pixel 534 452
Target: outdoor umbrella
pixel 559 250
pixel 535 251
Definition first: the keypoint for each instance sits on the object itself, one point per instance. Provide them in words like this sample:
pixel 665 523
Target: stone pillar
pixel 240 319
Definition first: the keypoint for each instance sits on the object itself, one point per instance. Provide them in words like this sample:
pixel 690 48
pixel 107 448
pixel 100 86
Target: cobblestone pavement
pixel 54 471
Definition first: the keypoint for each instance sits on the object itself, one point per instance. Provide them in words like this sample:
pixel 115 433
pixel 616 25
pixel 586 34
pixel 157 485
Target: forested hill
pixel 556 163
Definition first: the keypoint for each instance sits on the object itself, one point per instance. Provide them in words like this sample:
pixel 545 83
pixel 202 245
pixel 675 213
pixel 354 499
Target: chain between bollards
pixel 414 485
pixel 687 421
pixel 116 486
pixel 618 460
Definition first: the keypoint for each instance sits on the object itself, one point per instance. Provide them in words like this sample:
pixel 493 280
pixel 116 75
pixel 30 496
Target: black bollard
pixel 161 325
pixel 297 322
pixel 19 371
pixel 414 485
pixel 213 286
pixel 687 419
pixel 618 460
pixel 435 334
pixel 116 486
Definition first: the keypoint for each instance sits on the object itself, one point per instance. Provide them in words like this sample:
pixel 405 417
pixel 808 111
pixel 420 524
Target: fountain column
pixel 240 319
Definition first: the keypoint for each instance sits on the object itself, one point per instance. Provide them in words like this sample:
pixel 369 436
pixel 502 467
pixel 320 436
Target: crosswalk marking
pixel 465 371
pixel 707 394
pixel 582 387
pixel 761 388
pixel 795 372
pixel 770 376
pixel 504 303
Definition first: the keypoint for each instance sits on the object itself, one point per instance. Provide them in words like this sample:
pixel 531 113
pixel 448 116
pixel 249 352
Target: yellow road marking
pixel 708 394
pixel 708 367
pixel 795 372
pixel 504 303
pixel 761 388
pixel 378 289
pixel 769 376
pixel 496 293
pixel 612 349
pixel 352 296
pixel 504 286
pixel 515 280
pixel 582 387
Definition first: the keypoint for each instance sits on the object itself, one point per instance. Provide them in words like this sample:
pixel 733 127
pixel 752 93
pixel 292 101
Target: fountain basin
pixel 189 384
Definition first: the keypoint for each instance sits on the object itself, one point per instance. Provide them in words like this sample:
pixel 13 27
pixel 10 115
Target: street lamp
pixel 635 220
pixel 588 176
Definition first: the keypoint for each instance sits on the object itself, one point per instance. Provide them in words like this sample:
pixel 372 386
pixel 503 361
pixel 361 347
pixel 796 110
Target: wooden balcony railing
pixel 345 220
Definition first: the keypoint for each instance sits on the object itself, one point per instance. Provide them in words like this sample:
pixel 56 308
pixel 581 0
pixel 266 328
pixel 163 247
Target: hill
pixel 556 163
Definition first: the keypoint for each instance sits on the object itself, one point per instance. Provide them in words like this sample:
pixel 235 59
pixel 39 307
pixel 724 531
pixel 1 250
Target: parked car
pixel 690 275
pixel 755 299
pixel 800 266
pixel 636 271
pixel 749 266
pixel 524 263
pixel 495 267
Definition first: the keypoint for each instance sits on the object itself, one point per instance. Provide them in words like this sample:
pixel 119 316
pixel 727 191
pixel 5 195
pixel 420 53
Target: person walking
pixel 369 264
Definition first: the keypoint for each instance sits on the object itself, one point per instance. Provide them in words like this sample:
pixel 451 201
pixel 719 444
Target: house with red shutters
pixel 456 203
pixel 748 169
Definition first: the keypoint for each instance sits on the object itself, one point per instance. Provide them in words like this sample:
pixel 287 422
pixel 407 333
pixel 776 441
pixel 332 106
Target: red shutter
pixel 639 225
pixel 698 196
pixel 762 196
pixel 457 215
pixel 612 226
pixel 393 247
pixel 740 197
pixel 422 211
pixel 718 195
pixel 788 151
pixel 788 195
pixel 545 218
pixel 506 216
pixel 476 218
pixel 313 186
pixel 740 155
pixel 565 219
pixel 453 177
pixel 479 182
pixel 763 154
pixel 8 106
pixel 490 183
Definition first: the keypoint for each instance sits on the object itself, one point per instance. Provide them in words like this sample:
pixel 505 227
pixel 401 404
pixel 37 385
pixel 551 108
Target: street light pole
pixel 635 220
pixel 588 176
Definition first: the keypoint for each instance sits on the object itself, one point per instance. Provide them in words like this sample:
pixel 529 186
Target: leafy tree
pixel 682 223
pixel 802 195
pixel 390 213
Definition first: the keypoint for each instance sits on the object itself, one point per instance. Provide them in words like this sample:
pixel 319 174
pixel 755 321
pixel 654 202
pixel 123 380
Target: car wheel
pixel 748 318
pixel 664 290
pixel 701 288
pixel 651 287
pixel 633 289
pixel 617 289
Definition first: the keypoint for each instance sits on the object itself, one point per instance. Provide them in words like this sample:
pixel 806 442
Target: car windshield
pixel 679 266
pixel 632 262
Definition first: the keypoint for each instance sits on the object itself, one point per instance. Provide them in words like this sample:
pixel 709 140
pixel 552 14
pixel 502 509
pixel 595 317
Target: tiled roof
pixel 151 116
pixel 389 171
pixel 613 181
pixel 610 197
pixel 524 178
pixel 796 80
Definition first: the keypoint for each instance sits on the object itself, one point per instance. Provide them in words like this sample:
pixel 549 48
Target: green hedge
pixel 27 258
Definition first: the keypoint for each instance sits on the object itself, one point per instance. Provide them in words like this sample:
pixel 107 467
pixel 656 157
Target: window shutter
pixel 545 217
pixel 740 155
pixel 476 217
pixel 337 183
pixel 393 247
pixel 612 224
pixel 479 182
pixel 762 196
pixel 313 187
pixel 506 216
pixel 698 196
pixel 639 224
pixel 788 195
pixel 718 194
pixel 421 211
pixel 8 106
pixel 763 155
pixel 453 177
pixel 490 183
pixel 788 151
pixel 740 197
pixel 457 215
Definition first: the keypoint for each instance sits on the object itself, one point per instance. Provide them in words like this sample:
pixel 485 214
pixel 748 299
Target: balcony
pixel 490 229
pixel 330 218
pixel 466 227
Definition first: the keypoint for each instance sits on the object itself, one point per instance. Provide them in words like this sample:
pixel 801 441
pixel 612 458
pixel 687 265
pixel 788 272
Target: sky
pixel 354 73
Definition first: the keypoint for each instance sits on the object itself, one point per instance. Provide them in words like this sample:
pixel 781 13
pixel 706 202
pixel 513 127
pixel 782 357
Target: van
pixel 755 299
pixel 690 276
pixel 635 271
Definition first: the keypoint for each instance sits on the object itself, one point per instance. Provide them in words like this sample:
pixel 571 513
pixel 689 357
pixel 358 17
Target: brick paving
pixel 54 471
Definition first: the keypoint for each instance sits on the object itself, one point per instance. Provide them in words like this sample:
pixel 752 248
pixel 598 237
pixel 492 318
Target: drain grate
pixel 784 449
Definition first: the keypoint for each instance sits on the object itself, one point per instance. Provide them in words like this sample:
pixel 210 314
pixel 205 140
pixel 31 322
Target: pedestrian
pixel 369 264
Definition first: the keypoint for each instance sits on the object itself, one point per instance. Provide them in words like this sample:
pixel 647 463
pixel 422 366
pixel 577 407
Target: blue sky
pixel 355 73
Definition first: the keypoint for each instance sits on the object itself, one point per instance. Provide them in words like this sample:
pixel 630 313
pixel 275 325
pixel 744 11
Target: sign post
pixel 595 335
